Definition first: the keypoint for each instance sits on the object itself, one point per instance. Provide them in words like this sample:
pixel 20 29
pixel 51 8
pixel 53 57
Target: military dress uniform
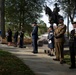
pixel 59 41
pixel 72 47
pixel 34 39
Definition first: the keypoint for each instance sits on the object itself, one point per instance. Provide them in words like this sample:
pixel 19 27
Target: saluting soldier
pixel 72 46
pixel 59 41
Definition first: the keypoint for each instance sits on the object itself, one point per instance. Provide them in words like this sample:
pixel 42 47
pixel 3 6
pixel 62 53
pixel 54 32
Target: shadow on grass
pixel 67 57
pixel 11 65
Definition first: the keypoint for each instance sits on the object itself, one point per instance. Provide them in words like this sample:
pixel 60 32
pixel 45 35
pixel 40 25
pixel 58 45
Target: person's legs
pixel 35 47
pixel 57 51
pixel 72 56
pixel 50 52
pixel 15 41
pixel 53 52
pixel 61 53
pixel 21 43
pixel 8 43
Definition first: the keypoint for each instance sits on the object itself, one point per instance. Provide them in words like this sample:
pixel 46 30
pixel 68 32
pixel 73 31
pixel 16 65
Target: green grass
pixel 67 59
pixel 11 65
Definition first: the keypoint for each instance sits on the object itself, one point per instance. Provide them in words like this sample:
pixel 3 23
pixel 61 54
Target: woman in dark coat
pixel 51 40
pixel 9 37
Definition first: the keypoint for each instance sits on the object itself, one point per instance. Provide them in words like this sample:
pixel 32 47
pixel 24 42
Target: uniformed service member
pixel 72 46
pixel 35 37
pixel 59 41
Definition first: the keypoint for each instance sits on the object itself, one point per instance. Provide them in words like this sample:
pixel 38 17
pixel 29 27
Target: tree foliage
pixel 42 28
pixel 69 7
pixel 22 12
pixel 2 20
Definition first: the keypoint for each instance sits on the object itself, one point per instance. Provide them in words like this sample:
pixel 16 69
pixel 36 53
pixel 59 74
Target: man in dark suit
pixel 59 41
pixel 35 37
pixel 72 46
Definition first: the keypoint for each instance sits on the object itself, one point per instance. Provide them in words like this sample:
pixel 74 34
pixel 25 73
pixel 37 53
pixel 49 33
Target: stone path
pixel 40 63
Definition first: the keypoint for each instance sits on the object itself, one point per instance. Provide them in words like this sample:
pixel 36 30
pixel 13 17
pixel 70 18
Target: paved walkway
pixel 40 63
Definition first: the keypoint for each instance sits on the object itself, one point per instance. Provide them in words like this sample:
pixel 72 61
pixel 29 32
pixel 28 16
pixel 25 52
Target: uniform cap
pixel 74 22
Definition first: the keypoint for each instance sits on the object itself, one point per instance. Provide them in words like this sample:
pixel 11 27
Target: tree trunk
pixel 68 26
pixel 2 18
pixel 20 22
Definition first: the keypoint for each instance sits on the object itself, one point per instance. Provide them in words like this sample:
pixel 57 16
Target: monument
pixel 53 15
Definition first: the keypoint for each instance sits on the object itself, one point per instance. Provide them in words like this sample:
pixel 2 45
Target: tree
pixel 69 8
pixel 23 12
pixel 2 18
pixel 42 28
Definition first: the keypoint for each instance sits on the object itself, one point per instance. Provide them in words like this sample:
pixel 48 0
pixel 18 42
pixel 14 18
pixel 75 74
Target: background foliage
pixel 22 13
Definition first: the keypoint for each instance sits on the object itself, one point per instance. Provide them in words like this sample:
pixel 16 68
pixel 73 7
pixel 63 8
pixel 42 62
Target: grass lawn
pixel 67 59
pixel 11 65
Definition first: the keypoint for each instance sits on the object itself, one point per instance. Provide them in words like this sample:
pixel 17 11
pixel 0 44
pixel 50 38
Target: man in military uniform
pixel 59 41
pixel 72 46
pixel 35 37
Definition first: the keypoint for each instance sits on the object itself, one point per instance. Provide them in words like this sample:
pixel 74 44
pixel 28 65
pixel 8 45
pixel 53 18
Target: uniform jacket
pixel 59 33
pixel 35 32
pixel 72 41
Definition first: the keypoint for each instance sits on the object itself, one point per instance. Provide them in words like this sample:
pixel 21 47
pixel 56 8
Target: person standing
pixel 15 38
pixel 59 41
pixel 21 39
pixel 51 41
pixel 35 37
pixel 72 46
pixel 9 37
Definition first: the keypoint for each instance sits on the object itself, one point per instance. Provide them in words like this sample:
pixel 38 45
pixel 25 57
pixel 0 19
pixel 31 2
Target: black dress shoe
pixel 50 54
pixel 56 59
pixel 35 52
pixel 72 67
pixel 44 51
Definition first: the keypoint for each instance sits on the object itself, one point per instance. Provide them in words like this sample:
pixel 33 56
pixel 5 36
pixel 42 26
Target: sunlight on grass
pixel 67 59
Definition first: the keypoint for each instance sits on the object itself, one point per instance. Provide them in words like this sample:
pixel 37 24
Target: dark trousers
pixel 21 43
pixel 35 46
pixel 15 42
pixel 72 55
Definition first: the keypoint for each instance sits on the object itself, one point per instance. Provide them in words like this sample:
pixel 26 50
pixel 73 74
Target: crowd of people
pixel 56 40
pixel 15 37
